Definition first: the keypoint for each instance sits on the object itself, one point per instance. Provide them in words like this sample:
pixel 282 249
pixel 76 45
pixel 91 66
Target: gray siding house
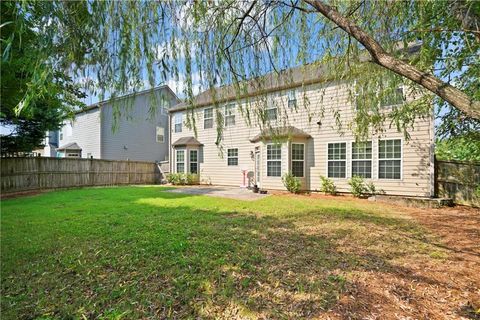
pixel 137 134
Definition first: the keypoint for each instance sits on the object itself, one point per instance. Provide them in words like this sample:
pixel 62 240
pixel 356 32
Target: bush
pixel 182 178
pixel 328 186
pixel 359 189
pixel 362 189
pixel 292 183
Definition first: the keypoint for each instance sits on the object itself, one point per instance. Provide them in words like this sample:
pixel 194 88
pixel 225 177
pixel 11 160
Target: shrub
pixel 328 186
pixel 291 182
pixel 359 188
pixel 182 178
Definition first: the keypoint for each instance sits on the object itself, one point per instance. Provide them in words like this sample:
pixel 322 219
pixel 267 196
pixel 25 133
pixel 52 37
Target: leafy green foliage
pixel 292 183
pixel 327 186
pixel 464 148
pixel 27 80
pixel 183 178
pixel 360 188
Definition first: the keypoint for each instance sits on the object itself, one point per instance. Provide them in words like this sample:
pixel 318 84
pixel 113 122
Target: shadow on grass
pixel 120 257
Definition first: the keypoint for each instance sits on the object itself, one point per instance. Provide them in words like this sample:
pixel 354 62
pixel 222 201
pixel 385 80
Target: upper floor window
pixel 337 160
pixel 178 122
pixel 274 160
pixel 392 99
pixel 390 159
pixel 232 157
pixel 160 134
pixel 362 159
pixel 271 113
pixel 298 159
pixel 230 115
pixel 292 99
pixel 208 118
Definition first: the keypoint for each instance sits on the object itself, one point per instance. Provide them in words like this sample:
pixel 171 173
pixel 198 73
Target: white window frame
pixel 292 160
pixel 401 160
pixel 229 111
pixel 267 160
pixel 363 159
pixel 190 160
pixel 276 113
pixel 184 160
pixel 178 116
pixel 232 157
pixel 389 106
pixel 209 118
pixel 162 135
pixel 290 94
pixel 346 161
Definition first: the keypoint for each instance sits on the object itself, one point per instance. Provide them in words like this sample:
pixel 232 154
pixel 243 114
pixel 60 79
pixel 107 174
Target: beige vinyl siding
pixel 327 99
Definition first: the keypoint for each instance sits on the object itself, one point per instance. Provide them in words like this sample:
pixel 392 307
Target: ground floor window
pixel 232 157
pixel 337 160
pixel 298 159
pixel 180 160
pixel 193 161
pixel 362 159
pixel 274 160
pixel 390 159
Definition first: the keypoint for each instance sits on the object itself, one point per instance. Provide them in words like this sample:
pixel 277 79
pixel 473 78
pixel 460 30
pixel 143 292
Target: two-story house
pixel 127 130
pixel 294 141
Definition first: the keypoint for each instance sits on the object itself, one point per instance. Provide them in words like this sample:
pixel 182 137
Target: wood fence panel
pixel 23 174
pixel 458 180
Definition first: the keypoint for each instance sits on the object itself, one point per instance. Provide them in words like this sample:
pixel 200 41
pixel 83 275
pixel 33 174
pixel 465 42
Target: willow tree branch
pixel 447 92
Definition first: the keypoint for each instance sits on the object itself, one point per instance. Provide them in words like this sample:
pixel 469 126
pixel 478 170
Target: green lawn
pixel 138 252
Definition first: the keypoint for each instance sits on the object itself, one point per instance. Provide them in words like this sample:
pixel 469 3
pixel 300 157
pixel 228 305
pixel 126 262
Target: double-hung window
pixel 390 159
pixel 178 122
pixel 160 134
pixel 392 98
pixel 298 159
pixel 362 159
pixel 180 160
pixel 292 99
pixel 232 157
pixel 271 113
pixel 230 115
pixel 193 160
pixel 207 118
pixel 274 160
pixel 337 160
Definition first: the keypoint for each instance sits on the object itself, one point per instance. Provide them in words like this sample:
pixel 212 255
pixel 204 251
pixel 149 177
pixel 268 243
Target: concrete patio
pixel 220 191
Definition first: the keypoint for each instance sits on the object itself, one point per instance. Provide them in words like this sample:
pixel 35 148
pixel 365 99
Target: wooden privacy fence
pixel 458 180
pixel 21 174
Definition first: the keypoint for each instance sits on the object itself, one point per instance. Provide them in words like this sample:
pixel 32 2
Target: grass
pixel 139 252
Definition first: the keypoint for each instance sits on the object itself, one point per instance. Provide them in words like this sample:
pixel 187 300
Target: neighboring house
pixel 308 148
pixel 137 134
pixel 50 145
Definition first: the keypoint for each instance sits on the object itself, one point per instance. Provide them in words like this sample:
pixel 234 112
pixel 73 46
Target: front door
pixel 257 168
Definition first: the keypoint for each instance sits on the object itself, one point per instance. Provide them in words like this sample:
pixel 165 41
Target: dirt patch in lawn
pixel 444 287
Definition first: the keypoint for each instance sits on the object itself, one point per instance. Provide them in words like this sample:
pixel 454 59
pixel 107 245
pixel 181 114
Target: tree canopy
pixel 118 46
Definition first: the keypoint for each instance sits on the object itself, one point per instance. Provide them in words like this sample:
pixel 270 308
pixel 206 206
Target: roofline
pixel 254 94
pixel 137 93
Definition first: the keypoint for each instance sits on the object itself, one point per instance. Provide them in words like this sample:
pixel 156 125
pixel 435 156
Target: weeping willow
pixel 125 46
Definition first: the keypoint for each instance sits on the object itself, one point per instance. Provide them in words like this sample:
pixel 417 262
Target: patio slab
pixel 220 191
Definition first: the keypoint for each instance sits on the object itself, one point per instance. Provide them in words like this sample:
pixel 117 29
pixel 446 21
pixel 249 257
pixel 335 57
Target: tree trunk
pixel 452 95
